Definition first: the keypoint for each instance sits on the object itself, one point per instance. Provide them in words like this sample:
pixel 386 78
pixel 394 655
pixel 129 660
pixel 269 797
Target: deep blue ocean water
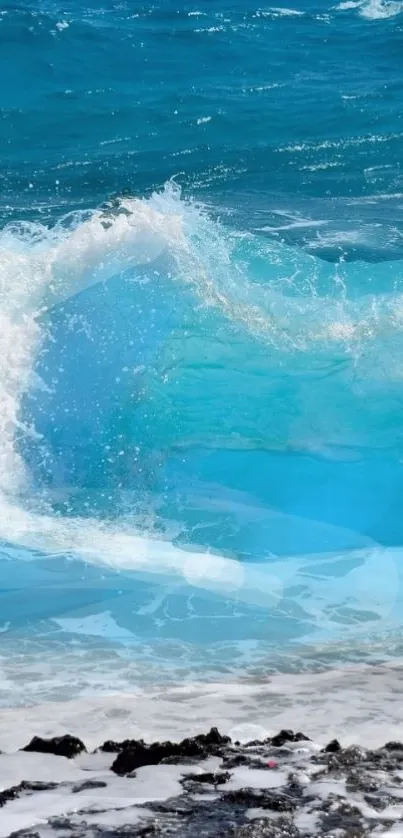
pixel 201 339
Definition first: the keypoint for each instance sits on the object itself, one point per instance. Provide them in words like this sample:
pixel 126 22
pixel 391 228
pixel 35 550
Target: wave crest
pixel 232 347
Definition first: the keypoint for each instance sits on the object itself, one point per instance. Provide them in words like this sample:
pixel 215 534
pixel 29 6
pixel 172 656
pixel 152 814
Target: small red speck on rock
pixel 272 763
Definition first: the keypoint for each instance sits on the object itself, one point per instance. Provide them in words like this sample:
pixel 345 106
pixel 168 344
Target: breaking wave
pixel 205 408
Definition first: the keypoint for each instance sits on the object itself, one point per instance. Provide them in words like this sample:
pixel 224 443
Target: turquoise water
pixel 201 448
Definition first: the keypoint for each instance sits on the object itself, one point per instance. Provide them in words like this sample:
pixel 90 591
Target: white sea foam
pixel 373 9
pixel 284 12
pixel 114 803
pixel 358 704
pixel 88 794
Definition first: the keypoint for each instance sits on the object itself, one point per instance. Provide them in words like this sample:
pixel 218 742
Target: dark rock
pixel 359 780
pixel 175 759
pixel 137 753
pixel 9 794
pixel 317 786
pixel 281 828
pixel 247 760
pixel 276 801
pixel 287 736
pixel 384 759
pixel 89 784
pixel 214 778
pixel 146 831
pixel 295 790
pixel 376 802
pixel 344 758
pixel 25 787
pixel 394 746
pixel 66 827
pixel 112 747
pixel 62 746
pixel 234 760
pixel 344 817
pixel 332 747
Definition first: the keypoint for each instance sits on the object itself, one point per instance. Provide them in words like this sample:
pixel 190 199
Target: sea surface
pixel 201 359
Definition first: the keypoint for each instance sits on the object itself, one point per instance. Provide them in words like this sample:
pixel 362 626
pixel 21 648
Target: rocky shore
pixel 205 786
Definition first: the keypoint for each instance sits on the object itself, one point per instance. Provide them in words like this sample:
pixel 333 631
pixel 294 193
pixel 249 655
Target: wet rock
pixel 89 785
pixel 246 760
pixel 394 746
pixel 359 780
pixel 62 746
pixel 276 801
pixel 342 759
pixel 214 778
pixel 23 788
pixel 112 747
pixel 234 760
pixel 282 828
pixel 344 818
pixel 287 736
pixel 384 759
pixel 376 802
pixel 336 793
pixel 137 753
pixel 332 747
pixel 187 818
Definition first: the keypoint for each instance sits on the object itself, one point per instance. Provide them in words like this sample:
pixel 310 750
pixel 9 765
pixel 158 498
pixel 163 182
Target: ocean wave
pixel 275 300
pixel 216 347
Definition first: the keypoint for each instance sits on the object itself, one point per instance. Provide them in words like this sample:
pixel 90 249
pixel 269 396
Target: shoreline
pixel 354 702
pixel 246 781
pixel 285 786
